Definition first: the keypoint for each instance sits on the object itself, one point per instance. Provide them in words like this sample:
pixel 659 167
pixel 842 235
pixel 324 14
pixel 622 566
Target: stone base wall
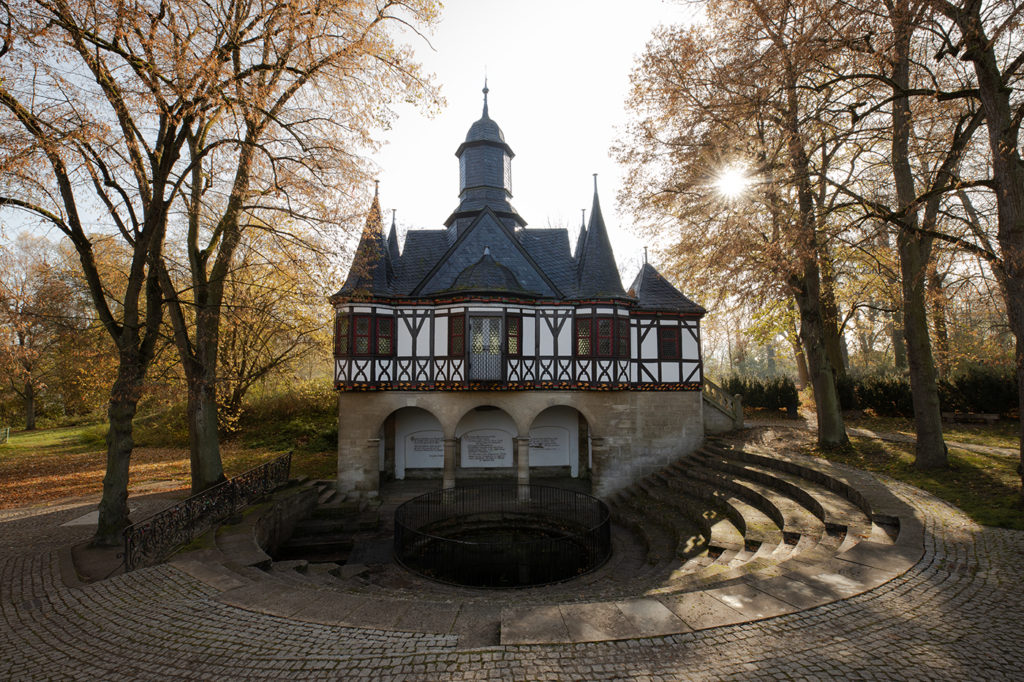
pixel 716 421
pixel 633 433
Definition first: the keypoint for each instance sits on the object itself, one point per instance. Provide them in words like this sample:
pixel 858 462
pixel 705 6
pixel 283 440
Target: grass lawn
pixel 50 464
pixel 1003 434
pixel 986 487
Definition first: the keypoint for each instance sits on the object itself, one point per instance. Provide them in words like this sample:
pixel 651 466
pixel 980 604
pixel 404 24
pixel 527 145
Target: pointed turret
pixel 371 271
pixel 581 239
pixel 393 242
pixel 598 274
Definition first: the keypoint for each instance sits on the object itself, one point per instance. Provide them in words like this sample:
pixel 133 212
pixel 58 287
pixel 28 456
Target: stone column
pixel 373 468
pixel 451 451
pixel 598 455
pixel 523 464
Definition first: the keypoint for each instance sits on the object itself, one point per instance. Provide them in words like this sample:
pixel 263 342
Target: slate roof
pixel 487 275
pixel 393 241
pixel 549 248
pixel 372 271
pixel 654 292
pixel 535 263
pixel 596 271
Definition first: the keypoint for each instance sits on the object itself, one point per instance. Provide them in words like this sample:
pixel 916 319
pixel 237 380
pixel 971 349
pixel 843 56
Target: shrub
pixel 979 390
pixel 773 393
pixel 886 396
pixel 846 386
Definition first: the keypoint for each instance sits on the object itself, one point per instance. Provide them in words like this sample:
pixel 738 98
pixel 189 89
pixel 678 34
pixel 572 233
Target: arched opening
pixel 411 445
pixel 560 444
pixel 486 443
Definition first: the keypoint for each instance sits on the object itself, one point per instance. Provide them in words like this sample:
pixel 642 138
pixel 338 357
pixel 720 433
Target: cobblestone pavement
pixel 956 615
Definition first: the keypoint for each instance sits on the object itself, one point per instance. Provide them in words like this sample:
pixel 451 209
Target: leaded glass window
pixel 514 335
pixel 361 335
pixel 583 330
pixel 384 336
pixel 604 336
pixel 341 331
pixel 622 329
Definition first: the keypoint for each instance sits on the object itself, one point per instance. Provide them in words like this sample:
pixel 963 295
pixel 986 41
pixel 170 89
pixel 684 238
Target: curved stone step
pixel 710 518
pixel 659 541
pixel 798 513
pixel 756 514
pixel 836 509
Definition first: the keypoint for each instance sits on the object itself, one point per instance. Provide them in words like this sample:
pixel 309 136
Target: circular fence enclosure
pixel 502 535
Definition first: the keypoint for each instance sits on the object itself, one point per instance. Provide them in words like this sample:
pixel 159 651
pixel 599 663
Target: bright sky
pixel 558 74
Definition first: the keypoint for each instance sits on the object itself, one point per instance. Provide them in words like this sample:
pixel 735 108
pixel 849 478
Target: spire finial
pixel 595 183
pixel 376 188
pixel 486 90
pixel 583 217
pixel 393 211
pixel 645 255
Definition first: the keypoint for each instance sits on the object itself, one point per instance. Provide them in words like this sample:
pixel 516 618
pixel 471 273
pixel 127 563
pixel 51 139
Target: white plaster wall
pixel 554 439
pixel 419 441
pixel 495 427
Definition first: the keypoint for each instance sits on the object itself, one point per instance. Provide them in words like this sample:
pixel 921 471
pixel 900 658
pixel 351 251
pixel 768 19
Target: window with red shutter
pixel 668 342
pixel 456 336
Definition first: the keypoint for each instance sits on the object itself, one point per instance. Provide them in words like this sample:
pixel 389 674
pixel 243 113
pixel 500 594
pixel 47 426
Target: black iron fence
pixel 502 535
pixel 152 539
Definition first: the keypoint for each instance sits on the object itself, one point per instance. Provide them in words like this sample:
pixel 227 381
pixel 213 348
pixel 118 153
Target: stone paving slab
pixel 799 594
pixel 752 603
pixel 213 574
pixel 597 622
pixel 428 617
pixel 272 599
pixel 534 625
pixel 700 610
pixel 651 617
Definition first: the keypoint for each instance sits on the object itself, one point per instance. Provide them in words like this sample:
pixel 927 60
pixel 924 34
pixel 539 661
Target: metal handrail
pixel 155 537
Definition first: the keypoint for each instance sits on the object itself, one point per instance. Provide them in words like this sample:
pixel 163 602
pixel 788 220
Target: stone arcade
pixel 489 349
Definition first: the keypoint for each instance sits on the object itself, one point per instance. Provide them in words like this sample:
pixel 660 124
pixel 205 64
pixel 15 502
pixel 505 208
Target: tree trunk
pixel 124 399
pixel 937 298
pixel 930 451
pixel 203 430
pixel 831 428
pixel 203 434
pixel 1007 174
pixel 30 406
pixel 806 284
pixel 914 250
pixel 803 378
pixel 896 334
pixel 830 318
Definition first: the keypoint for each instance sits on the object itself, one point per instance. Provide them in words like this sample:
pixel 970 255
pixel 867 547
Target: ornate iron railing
pixel 502 535
pixel 152 539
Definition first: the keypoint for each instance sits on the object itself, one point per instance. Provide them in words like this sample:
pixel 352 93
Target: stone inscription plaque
pixel 424 450
pixel 487 448
pixel 549 446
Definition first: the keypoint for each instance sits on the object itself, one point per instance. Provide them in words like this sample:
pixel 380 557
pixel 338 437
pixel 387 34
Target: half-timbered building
pixel 487 348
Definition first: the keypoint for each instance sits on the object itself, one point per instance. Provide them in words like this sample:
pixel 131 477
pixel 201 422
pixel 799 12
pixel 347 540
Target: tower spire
pixel 597 273
pixel 486 90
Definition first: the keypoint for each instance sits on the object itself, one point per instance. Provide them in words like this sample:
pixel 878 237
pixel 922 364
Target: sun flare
pixel 732 182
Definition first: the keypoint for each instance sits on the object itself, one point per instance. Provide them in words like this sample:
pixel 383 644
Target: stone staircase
pixel 716 524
